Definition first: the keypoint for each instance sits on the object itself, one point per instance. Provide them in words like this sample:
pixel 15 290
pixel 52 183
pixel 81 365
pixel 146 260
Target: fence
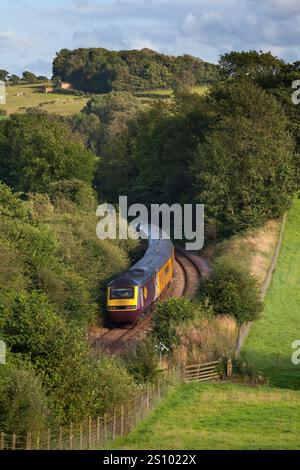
pixel 245 328
pixel 207 371
pixel 202 372
pixel 98 432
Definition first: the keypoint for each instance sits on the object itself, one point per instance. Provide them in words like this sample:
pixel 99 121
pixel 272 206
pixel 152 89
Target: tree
pixel 231 290
pixel 98 70
pixel 14 80
pixel 252 64
pixel 29 77
pixel 244 171
pixel 3 75
pixel 37 149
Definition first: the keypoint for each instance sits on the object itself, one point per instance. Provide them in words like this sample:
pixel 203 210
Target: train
pixel 133 292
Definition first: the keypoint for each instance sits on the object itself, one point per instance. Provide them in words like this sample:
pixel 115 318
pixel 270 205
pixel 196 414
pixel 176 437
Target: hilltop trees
pixel 3 75
pixel 98 70
pixel 36 149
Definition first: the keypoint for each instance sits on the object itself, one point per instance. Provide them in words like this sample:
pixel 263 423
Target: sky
pixel 32 31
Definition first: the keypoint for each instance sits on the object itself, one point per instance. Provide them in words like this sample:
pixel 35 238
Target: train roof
pixel 159 251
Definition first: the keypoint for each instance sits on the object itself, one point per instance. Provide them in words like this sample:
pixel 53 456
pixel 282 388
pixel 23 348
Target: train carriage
pixel 129 295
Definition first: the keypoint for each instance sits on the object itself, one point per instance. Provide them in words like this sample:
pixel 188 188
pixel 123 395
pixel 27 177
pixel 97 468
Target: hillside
pixel 98 70
pixel 21 97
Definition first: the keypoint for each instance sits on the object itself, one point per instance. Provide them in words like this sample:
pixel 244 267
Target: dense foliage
pixel 169 314
pixel 98 70
pixel 52 269
pixel 231 290
pixel 36 149
pixel 234 150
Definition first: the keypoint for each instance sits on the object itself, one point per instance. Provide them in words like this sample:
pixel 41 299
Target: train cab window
pixel 122 293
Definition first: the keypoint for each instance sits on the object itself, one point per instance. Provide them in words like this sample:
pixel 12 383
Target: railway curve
pixel 189 268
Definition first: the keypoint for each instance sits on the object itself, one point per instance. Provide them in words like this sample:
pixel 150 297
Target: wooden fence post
pixel 147 397
pixel 71 436
pixel 80 436
pixel 122 420
pixel 28 441
pixel 229 367
pixel 14 440
pixel 38 441
pixel 60 437
pixel 90 433
pixel 2 441
pixel 114 425
pixel 105 426
pixel 98 430
pixel 48 439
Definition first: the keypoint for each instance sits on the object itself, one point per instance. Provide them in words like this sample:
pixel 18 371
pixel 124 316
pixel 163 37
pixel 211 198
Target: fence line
pixel 245 328
pixel 93 433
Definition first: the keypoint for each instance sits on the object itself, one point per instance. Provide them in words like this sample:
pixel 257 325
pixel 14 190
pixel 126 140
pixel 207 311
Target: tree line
pixel 98 70
pixel 27 77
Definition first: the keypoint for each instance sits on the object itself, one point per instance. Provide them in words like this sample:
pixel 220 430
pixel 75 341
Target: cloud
pixel 205 28
pixel 18 44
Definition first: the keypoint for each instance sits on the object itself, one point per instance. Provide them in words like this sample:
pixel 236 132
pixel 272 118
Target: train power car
pixel 129 295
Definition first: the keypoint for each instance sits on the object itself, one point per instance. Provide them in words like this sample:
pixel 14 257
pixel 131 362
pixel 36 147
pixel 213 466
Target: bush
pixel 23 403
pixel 37 149
pixel 10 204
pixel 141 361
pixel 169 314
pixel 231 290
pixel 29 325
pixel 75 191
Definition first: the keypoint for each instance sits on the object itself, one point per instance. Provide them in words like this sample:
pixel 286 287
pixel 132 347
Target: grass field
pixel 224 416
pixel 19 98
pixel 268 345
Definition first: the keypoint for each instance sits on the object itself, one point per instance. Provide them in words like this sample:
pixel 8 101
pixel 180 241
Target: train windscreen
pixel 122 293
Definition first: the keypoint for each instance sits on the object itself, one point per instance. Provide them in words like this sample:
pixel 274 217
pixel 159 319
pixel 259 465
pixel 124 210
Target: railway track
pixel 188 270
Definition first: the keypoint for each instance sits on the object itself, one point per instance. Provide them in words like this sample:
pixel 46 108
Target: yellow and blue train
pixel 130 294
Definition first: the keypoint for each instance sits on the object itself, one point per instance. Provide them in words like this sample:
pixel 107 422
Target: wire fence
pixel 96 433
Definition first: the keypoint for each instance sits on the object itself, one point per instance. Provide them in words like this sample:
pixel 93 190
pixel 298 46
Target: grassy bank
pixel 268 345
pixel 198 416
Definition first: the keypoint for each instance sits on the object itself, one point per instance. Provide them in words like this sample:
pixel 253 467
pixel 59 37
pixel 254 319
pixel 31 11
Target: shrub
pixel 75 191
pixel 10 204
pixel 29 325
pixel 231 290
pixel 141 361
pixel 169 314
pixel 23 403
pixel 37 149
